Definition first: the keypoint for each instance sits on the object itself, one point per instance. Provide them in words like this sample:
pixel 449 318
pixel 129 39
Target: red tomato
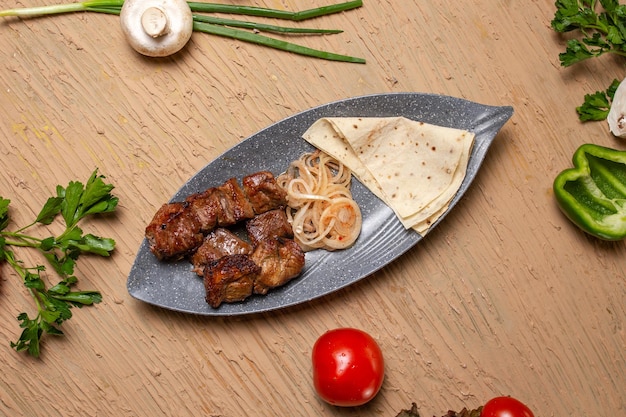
pixel 505 407
pixel 348 367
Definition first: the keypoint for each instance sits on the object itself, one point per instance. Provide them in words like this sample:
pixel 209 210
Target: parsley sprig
pixel 597 105
pixel 73 203
pixel 599 27
pixel 602 29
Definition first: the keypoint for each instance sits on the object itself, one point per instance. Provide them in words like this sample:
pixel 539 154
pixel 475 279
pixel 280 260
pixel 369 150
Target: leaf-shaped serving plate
pixel 383 238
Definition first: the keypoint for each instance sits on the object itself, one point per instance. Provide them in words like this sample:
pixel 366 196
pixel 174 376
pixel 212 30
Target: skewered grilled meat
pixel 205 206
pixel 178 228
pixel 221 206
pixel 280 260
pixel 264 192
pixel 279 257
pixel 270 224
pixel 232 268
pixel 217 244
pixel 229 279
pixel 174 232
pixel 234 204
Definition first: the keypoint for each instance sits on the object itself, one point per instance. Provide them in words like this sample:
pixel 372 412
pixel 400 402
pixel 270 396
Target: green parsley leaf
pixel 597 105
pixel 575 52
pixel 54 304
pixel 4 213
pixel 49 210
pixel 598 28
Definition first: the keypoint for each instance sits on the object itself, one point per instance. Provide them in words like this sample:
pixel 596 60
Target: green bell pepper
pixel 593 193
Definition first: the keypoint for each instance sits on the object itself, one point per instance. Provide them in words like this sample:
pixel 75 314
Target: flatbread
pixel 416 168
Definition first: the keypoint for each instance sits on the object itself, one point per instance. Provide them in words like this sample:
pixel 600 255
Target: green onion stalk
pixel 231 28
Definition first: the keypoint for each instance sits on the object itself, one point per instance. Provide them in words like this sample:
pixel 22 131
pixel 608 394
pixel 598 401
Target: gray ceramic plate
pixel 383 239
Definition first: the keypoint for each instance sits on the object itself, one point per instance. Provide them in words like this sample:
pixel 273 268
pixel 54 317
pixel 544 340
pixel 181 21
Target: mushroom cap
pixel 617 114
pixel 156 28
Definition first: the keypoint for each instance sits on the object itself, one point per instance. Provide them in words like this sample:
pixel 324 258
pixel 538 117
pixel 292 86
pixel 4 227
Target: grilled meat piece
pixel 263 192
pixel 206 207
pixel 271 224
pixel 217 244
pixel 229 279
pixel 234 203
pixel 232 268
pixel 221 206
pixel 177 228
pixel 280 260
pixel 174 232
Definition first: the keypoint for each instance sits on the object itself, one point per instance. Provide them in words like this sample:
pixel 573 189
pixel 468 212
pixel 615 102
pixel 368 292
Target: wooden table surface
pixel 504 297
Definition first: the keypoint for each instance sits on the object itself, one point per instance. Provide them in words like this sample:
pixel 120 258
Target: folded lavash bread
pixel 416 168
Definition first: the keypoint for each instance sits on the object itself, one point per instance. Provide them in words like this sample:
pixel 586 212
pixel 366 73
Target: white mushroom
pixel 617 113
pixel 157 28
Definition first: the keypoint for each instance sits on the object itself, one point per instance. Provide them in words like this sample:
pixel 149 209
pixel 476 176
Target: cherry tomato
pixel 505 407
pixel 348 367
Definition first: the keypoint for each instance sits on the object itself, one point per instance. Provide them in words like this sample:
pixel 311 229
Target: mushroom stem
pixel 154 22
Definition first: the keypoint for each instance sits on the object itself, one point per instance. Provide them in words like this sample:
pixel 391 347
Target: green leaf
pixel 575 52
pixel 70 235
pixel 598 31
pixel 4 213
pixel 571 15
pixel 64 266
pixel 56 310
pixel 50 316
pixel 71 280
pixel 60 191
pixel 3 255
pixel 30 337
pixel 47 244
pixel 34 281
pixel 71 202
pixel 54 305
pixel 610 5
pixel 612 89
pixel 105 206
pixel 80 298
pixel 597 105
pixel 614 36
pixel 98 245
pixel 79 201
pixel 598 41
pixel 59 290
pixel 50 210
pixel 51 329
pixel 96 190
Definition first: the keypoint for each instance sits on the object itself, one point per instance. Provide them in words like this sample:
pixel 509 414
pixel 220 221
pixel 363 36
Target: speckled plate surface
pixel 383 239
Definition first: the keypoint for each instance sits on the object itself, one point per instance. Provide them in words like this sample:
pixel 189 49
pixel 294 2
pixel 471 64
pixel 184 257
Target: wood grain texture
pixel 505 297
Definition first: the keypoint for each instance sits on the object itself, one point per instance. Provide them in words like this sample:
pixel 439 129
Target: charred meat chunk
pixel 206 207
pixel 263 192
pixel 231 267
pixel 234 204
pixel 174 232
pixel 221 206
pixel 177 228
pixel 280 260
pixel 217 244
pixel 271 224
pixel 229 279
